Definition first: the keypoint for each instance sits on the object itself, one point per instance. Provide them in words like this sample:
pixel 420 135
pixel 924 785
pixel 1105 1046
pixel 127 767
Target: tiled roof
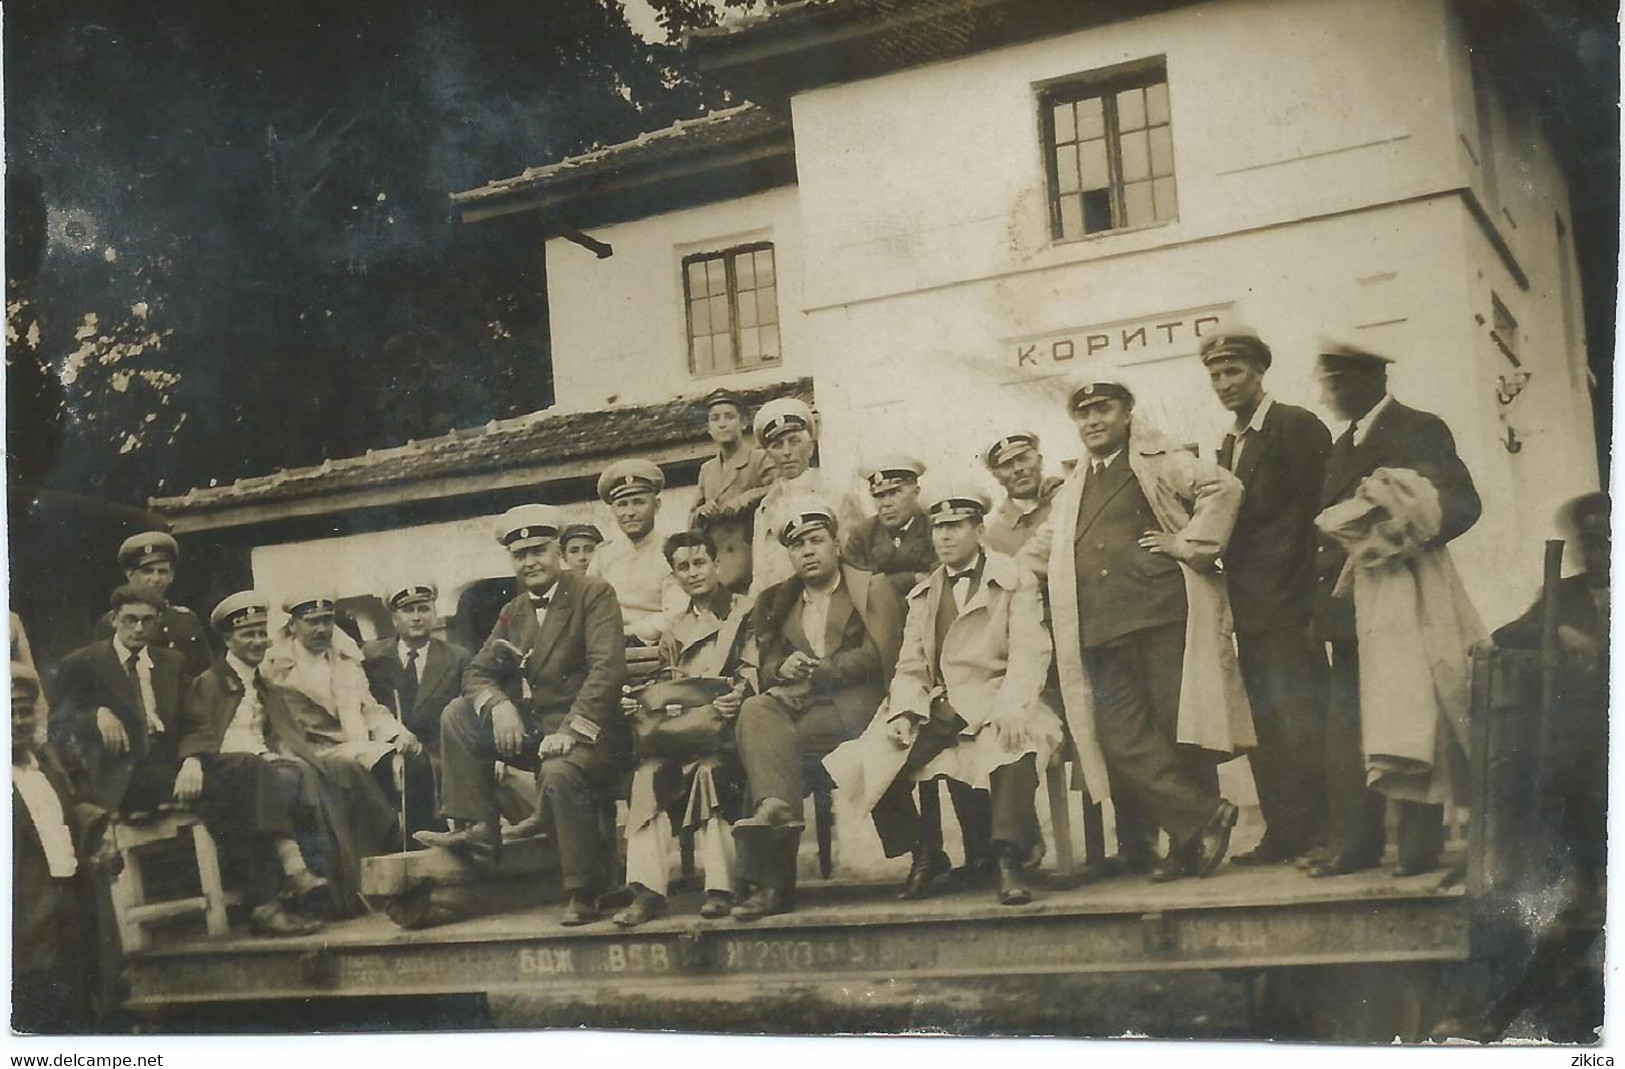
pixel 734 127
pixel 534 440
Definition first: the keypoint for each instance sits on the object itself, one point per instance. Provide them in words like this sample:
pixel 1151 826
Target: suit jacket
pixel 442 682
pixel 1399 437
pixel 736 484
pixel 862 635
pixel 569 668
pixel 91 677
pixel 51 926
pixel 1270 561
pixel 869 546
pixel 179 629
pixel 212 702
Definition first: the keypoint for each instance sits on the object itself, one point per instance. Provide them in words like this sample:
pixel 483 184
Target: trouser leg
pixel 246 813
pixel 1419 829
pixel 468 756
pixel 896 820
pixel 1354 812
pixel 974 810
pixel 572 796
pixel 714 847
pixel 1012 791
pixel 648 853
pixel 770 751
pixel 1285 675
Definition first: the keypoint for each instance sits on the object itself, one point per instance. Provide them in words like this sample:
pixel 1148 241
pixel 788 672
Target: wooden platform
pixel 1240 918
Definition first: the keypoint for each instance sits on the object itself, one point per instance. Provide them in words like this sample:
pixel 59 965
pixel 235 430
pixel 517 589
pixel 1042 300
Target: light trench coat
pixel 995 657
pixel 1196 501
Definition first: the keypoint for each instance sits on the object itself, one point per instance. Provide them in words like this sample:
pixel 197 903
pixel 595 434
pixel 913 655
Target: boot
pixel 1012 885
pixel 767 861
pixel 474 841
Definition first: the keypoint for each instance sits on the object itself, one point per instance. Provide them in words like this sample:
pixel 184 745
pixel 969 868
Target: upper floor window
pixel 1111 153
pixel 733 309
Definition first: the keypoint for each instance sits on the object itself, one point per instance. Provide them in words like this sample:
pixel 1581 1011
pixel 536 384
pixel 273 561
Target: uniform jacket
pixel 1399 437
pixel 734 484
pixel 862 635
pixel 643 583
pixel 442 682
pixel 908 561
pixel 91 677
pixel 991 667
pixel 1013 522
pixel 179 629
pixel 571 667
pixel 1197 501
pixel 1270 561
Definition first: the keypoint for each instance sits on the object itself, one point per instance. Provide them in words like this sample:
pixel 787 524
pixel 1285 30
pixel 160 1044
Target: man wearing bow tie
pixel 543 694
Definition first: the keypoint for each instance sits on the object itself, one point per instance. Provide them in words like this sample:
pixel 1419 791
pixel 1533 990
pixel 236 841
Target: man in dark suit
pixel 56 839
pixel 117 713
pixel 896 540
pixel 1382 433
pixel 148 561
pixel 1278 451
pixel 415 676
pixel 828 639
pixel 562 639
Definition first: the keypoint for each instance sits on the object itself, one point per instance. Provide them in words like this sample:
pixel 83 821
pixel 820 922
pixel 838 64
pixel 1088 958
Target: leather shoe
pixel 1168 869
pixel 1136 862
pixel 1414 867
pixel 479 843
pixel 271 919
pixel 579 910
pixel 1267 853
pixel 1012 888
pixel 717 904
pixel 928 869
pixel 529 828
pixel 1340 865
pixel 1214 840
pixel 304 882
pixel 1311 857
pixel 763 902
pixel 646 906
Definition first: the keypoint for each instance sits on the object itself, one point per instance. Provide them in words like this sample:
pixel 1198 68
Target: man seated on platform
pixel 966 705
pixel 580 542
pixel 633 563
pixel 542 695
pixel 342 719
pixel 896 540
pixel 828 639
pixel 708 642
pixel 415 674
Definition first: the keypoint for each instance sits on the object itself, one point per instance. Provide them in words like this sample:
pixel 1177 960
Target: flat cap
pixel 309 604
pixel 1338 357
pixel 242 609
pixel 412 594
pixel 147 547
pixel 626 477
pixel 1098 392
pixel 528 525
pixel 724 396
pixel 958 501
pixel 807 515
pixel 582 530
pixel 781 416
pixel 1011 445
pixel 891 471
pixel 1242 343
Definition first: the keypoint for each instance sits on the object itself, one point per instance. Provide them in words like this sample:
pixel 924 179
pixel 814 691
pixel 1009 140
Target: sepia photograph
pixel 969 518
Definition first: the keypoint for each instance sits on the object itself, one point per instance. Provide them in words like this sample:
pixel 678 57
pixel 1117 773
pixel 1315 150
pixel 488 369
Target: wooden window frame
pixel 729 256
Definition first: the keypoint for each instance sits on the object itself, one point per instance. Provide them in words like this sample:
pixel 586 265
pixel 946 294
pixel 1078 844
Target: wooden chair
pixel 131 908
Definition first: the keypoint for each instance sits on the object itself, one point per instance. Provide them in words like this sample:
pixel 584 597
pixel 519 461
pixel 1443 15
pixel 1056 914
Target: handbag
pixel 676 719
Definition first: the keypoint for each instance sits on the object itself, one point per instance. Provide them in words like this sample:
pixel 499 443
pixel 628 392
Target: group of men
pixel 1145 616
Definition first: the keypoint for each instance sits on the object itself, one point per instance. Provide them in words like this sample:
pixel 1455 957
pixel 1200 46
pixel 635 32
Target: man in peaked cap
pixel 1381 432
pixel 787 430
pixel 1278 451
pixel 731 484
pixel 1016 462
pixel 896 540
pixel 542 695
pixel 827 641
pixel 966 705
pixel 580 542
pixel 633 563
pixel 148 560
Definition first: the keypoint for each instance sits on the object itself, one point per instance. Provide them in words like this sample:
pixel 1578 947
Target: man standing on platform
pixel 542 695
pixel 731 485
pixel 896 540
pixel 149 561
pixel 786 429
pixel 415 674
pixel 1278 451
pixel 1017 464
pixel 633 564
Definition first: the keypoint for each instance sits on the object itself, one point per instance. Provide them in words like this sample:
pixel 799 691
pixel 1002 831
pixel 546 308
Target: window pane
pixel 750 346
pixel 1156 104
pixel 1091 119
pixel 1072 217
pixel 1066 126
pixel 767 305
pixel 722 349
pixel 1092 169
pixel 702 356
pixel 747 309
pixel 1097 211
pixel 1167 200
pixel 1131 109
pixel 1066 168
pixel 745 271
pixel 1137 204
pixel 699 322
pixel 770 343
pixel 1136 157
pixel 696 279
pixel 1162 151
pixel 716 276
pixel 721 322
pixel 764 267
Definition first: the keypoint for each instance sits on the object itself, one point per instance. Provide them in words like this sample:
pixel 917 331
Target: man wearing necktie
pixel 1381 433
pixel 1278 451
pixel 966 705
pixel 543 695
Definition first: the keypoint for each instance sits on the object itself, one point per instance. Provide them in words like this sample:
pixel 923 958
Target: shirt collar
pixel 142 658
pixel 1256 423
pixel 906 528
pixel 404 651
pixel 1363 431
pixel 809 594
pixel 1104 462
pixel 239 666
pixel 975 567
